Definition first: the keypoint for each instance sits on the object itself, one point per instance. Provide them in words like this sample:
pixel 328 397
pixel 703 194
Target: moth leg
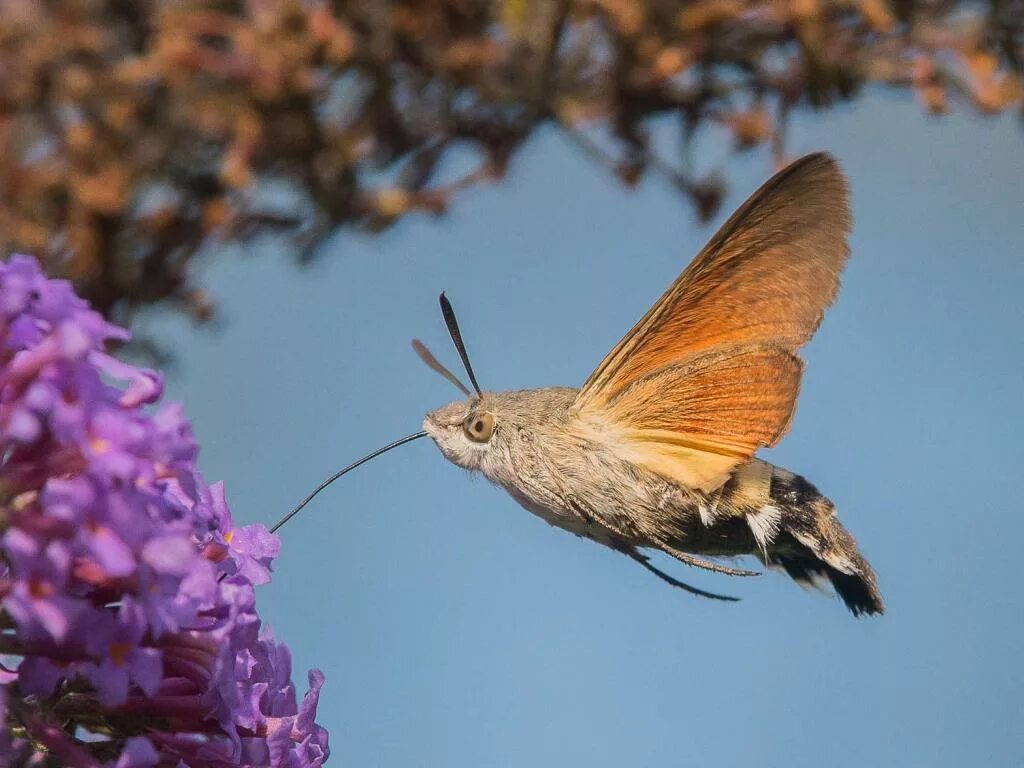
pixel 645 562
pixel 579 508
pixel 707 565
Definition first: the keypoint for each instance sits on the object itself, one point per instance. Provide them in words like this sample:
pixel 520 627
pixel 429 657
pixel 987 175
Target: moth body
pixel 555 466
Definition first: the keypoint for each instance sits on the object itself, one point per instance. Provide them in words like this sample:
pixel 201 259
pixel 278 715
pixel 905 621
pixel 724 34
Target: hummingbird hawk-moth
pixel 656 451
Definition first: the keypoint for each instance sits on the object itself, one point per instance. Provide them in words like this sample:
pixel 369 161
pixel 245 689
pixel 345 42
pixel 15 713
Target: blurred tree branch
pixel 133 132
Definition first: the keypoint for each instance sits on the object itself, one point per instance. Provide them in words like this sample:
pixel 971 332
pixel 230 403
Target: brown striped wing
pixel 710 373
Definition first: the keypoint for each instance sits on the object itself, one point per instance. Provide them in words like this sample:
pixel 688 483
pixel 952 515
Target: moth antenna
pixel 340 472
pixel 453 331
pixel 434 364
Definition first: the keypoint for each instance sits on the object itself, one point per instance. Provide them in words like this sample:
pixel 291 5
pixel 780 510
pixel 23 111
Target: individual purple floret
pixel 130 636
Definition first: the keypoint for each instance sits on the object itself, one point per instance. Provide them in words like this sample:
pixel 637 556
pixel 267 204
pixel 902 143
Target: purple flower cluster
pixel 128 634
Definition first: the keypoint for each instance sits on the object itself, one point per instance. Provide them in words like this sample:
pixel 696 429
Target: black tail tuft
pixel 858 590
pixel 812 545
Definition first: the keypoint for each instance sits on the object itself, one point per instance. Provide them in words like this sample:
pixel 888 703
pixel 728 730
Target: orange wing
pixel 709 374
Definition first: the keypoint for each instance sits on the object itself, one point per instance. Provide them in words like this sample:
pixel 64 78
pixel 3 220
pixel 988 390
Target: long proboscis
pixel 340 472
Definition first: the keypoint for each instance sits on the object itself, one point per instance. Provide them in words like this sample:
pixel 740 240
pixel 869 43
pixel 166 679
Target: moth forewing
pixel 766 277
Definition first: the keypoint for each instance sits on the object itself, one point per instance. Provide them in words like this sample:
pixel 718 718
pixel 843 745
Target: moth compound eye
pixel 479 427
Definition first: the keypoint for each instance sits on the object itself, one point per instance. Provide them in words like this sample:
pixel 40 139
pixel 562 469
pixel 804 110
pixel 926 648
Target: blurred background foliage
pixel 135 134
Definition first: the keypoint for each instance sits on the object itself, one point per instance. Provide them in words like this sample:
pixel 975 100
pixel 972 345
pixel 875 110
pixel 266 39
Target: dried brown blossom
pixel 134 133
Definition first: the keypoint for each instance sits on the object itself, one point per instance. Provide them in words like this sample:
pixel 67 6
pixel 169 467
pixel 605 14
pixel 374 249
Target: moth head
pixel 466 431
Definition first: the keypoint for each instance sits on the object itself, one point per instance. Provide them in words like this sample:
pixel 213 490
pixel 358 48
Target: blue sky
pixel 456 629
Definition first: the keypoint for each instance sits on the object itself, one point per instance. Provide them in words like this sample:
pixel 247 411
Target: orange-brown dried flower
pixel 132 133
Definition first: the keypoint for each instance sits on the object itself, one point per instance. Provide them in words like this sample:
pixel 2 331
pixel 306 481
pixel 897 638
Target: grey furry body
pixel 576 483
pixel 559 468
